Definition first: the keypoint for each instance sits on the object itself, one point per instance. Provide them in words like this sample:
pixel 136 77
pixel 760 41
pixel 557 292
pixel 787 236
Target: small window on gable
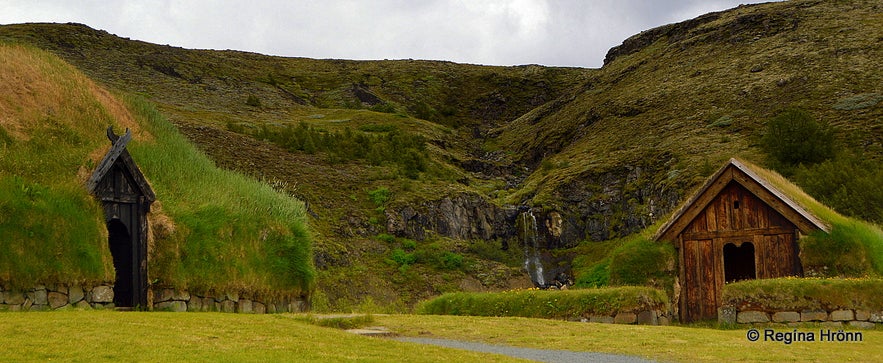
pixel 736 204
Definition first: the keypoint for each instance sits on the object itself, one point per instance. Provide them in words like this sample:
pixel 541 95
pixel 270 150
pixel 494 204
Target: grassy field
pixel 140 336
pixel 664 343
pixel 214 337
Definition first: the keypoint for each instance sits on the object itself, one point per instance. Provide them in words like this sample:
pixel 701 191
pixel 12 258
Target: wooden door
pixel 701 280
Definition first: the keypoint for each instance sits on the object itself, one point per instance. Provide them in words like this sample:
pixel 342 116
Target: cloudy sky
pixel 497 32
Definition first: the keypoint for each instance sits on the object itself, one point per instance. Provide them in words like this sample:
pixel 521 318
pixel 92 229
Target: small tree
pixel 793 137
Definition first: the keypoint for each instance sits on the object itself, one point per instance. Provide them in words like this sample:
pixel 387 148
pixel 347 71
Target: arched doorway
pixel 121 249
pixel 739 262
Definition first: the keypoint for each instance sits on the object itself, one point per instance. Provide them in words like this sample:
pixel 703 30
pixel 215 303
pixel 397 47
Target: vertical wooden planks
pixel 708 298
pixel 691 281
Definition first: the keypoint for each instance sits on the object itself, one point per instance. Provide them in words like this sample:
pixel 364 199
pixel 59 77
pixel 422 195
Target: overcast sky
pixel 496 32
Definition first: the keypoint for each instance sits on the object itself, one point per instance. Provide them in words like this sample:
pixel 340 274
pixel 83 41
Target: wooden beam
pixel 746 233
pixel 107 162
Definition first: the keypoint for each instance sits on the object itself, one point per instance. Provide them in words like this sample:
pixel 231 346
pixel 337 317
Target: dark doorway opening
pixel 121 249
pixel 739 262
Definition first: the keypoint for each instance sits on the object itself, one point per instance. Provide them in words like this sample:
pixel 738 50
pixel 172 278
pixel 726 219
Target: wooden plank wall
pixel 735 216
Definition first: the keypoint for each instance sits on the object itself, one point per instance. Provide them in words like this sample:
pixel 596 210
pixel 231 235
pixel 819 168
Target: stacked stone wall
pixel 857 318
pixel 172 299
pixel 645 317
pixel 60 296
pixel 51 297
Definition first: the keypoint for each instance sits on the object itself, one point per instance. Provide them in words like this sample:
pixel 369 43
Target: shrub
pixel 793 137
pixel 253 101
pixel 451 261
pixel 493 250
pixel 848 183
pixel 401 258
pixel 379 196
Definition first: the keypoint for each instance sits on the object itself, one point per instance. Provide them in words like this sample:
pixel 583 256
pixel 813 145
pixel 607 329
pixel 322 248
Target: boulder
pixel 245 306
pixel 14 298
pixel 57 299
pixel 228 306
pixel 195 304
pixel 786 317
pixel 260 308
pixel 842 315
pixel 181 295
pixel 648 317
pixel 102 294
pixel 601 319
pixel 726 314
pixel 862 315
pixel 75 294
pixel 39 296
pixel 625 318
pixel 165 295
pixel 748 317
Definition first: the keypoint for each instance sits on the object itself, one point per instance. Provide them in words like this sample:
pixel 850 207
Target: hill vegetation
pixel 597 154
pixel 213 229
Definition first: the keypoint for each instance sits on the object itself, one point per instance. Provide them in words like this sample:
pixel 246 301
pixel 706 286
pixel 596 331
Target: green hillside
pixel 210 230
pixel 415 174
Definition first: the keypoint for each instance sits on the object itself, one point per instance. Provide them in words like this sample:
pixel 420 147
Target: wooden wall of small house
pixel 734 216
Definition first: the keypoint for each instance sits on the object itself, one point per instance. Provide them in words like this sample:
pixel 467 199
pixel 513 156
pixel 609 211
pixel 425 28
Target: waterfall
pixel 532 263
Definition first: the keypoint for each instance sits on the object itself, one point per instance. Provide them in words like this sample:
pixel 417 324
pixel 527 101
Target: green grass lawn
pixel 663 343
pixel 154 336
pixel 194 337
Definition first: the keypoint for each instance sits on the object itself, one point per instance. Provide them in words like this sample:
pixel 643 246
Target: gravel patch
pixel 541 355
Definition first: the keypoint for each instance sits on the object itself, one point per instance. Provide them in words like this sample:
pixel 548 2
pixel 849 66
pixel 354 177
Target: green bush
pixel 847 183
pixel 379 196
pixel 399 257
pixel 806 294
pixel 395 147
pixel 551 304
pixel 493 250
pixel 794 137
pixel 253 101
pixel 451 261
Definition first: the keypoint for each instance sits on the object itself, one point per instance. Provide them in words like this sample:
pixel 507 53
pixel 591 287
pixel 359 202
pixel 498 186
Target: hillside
pixel 592 154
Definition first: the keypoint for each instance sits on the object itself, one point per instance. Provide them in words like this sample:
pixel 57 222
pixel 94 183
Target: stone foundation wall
pixel 857 318
pixel 646 317
pixel 171 299
pixel 51 297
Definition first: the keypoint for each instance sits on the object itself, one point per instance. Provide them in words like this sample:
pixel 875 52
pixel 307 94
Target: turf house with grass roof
pixel 126 197
pixel 737 226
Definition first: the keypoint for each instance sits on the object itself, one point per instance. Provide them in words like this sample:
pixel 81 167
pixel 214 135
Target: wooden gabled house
pixel 737 226
pixel 126 197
